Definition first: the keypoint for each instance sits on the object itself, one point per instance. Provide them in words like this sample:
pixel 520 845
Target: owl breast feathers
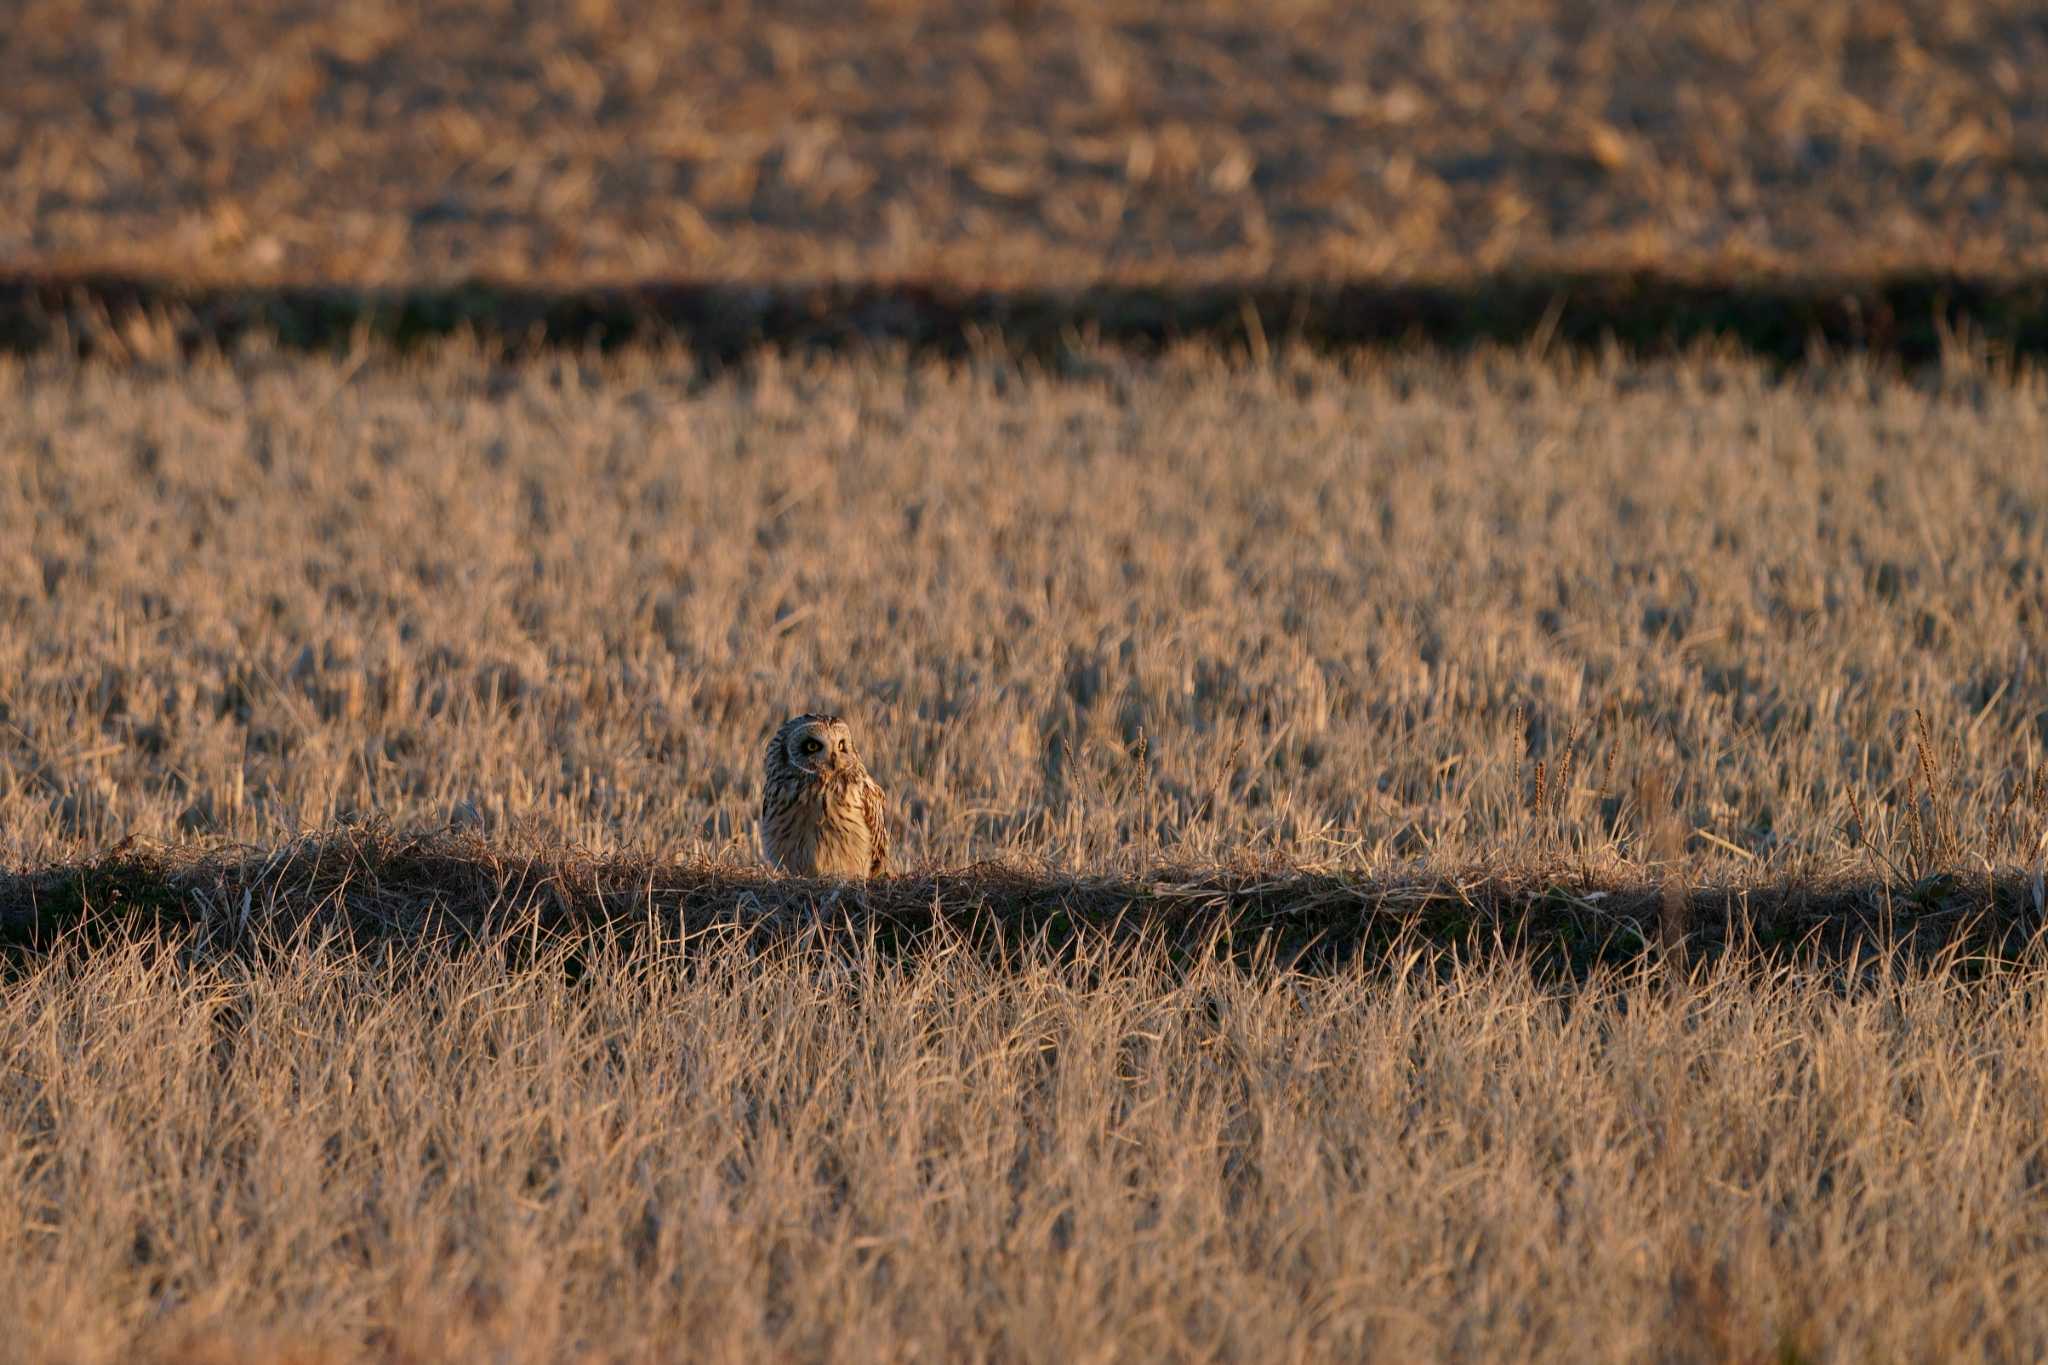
pixel 821 814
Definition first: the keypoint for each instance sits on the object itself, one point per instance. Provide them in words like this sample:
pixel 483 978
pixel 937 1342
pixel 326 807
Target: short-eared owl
pixel 821 814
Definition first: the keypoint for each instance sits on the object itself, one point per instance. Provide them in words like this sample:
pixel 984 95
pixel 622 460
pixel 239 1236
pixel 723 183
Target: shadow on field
pixel 368 886
pixel 1912 319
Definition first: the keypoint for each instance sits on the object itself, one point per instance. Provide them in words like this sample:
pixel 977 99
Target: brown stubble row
pixel 1394 612
pixel 811 1154
pixel 1047 144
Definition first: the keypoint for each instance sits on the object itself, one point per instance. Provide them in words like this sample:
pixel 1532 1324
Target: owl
pixel 821 814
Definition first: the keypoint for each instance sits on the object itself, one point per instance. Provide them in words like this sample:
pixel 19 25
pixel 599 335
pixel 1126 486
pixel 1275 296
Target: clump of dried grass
pixel 369 886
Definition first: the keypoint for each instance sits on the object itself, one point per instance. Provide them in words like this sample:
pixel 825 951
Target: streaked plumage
pixel 821 814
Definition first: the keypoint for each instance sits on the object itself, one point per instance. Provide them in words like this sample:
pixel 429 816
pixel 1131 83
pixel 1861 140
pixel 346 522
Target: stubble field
pixel 1026 142
pixel 1390 611
pixel 1530 854
pixel 1157 640
pixel 700 1152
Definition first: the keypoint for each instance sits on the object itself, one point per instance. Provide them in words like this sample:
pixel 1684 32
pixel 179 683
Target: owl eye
pixel 811 746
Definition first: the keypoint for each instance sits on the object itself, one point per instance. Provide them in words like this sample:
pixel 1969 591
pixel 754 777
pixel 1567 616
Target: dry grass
pixel 1385 652
pixel 1035 142
pixel 367 885
pixel 388 973
pixel 698 1151
pixel 1389 615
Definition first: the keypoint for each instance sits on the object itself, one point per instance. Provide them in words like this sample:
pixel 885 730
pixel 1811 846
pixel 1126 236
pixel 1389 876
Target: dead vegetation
pixel 389 975
pixel 1389 616
pixel 1535 856
pixel 368 887
pixel 1046 143
pixel 822 1151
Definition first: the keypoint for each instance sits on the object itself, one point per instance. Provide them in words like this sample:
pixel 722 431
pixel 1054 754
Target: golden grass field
pixel 1497 853
pixel 698 1152
pixel 1032 142
pixel 1391 651
pixel 1367 614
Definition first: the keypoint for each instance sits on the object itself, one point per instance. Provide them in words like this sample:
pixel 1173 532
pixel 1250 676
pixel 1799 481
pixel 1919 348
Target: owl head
pixel 819 745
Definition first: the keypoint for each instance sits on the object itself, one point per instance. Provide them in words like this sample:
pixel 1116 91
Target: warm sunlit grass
pixel 697 1151
pixel 1382 613
pixel 1383 635
pixel 1291 657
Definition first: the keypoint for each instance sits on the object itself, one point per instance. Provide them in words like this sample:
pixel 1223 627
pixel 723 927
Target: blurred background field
pixel 1023 143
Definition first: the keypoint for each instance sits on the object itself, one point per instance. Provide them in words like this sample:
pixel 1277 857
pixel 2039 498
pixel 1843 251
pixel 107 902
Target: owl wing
pixel 875 812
